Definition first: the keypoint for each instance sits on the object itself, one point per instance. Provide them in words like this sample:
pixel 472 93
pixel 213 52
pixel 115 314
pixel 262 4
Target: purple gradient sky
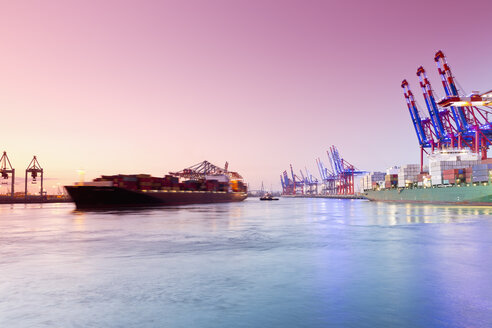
pixel 153 86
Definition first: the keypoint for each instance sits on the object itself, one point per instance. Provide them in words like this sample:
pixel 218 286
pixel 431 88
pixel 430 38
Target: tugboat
pixel 268 196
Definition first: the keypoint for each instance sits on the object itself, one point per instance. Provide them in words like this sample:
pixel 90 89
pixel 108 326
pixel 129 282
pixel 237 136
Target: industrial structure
pixel 310 183
pixel 34 175
pixel 204 169
pixel 456 135
pixel 337 181
pixel 6 169
pixel 457 121
pixel 34 168
pixel 293 185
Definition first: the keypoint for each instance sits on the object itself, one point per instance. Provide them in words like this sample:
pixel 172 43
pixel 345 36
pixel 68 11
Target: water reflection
pixel 396 214
pixel 291 263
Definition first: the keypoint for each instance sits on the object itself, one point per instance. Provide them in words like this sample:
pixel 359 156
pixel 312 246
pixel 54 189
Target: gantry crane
pixel 293 185
pixel 473 121
pixel 423 125
pixel 442 119
pixel 287 184
pixel 6 169
pixel 457 121
pixel 201 170
pixel 344 171
pixel 328 178
pixel 338 181
pixel 34 168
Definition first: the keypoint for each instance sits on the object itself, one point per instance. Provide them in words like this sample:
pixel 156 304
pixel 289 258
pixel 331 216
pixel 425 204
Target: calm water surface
pixel 291 263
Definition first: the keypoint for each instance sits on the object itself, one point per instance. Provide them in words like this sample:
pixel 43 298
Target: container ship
pixel 467 194
pixel 455 177
pixel 198 184
pixel 457 132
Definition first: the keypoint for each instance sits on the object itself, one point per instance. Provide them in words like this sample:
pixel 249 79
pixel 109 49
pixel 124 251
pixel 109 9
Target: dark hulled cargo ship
pixel 199 184
pixel 86 197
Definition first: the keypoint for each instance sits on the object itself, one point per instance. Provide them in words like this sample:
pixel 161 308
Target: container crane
pixel 201 170
pixel 287 184
pixel 293 185
pixel 442 119
pixel 305 182
pixel 473 121
pixel 338 181
pixel 344 171
pixel 34 168
pixel 327 178
pixel 298 182
pixel 6 169
pixel 310 182
pixel 461 115
pixel 423 126
pixel 457 121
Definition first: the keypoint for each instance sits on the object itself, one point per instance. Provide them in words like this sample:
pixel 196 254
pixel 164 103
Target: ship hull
pixel 90 197
pixel 454 195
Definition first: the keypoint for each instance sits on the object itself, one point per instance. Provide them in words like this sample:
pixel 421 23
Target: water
pixel 290 263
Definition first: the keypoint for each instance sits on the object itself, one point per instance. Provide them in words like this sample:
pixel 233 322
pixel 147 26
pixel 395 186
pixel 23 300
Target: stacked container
pixel 212 185
pixel 223 186
pixel 144 182
pixel 480 172
pixel 370 181
pixel 122 181
pixel 170 183
pixel 237 186
pixel 437 169
pixel 390 181
pixel 453 176
pixel 147 182
pixel 408 174
pixel 391 177
pixel 468 174
pixel 191 185
pixel 422 178
pixel 450 159
pixel 129 182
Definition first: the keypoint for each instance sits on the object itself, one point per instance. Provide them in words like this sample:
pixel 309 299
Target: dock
pixel 326 196
pixel 34 199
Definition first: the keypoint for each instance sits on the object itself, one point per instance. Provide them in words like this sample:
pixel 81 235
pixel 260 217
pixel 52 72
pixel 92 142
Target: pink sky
pixel 154 86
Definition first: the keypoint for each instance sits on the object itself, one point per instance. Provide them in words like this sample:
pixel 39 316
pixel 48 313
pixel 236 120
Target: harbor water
pixel 289 263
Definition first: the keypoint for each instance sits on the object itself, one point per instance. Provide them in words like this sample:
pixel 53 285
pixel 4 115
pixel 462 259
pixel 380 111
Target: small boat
pixel 268 197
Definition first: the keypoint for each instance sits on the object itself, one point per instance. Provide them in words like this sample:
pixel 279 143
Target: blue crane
pixel 423 126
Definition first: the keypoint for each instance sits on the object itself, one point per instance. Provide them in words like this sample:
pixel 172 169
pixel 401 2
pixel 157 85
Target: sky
pixel 117 86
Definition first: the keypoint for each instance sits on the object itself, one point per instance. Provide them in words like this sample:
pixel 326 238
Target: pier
pixel 32 199
pixel 356 196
